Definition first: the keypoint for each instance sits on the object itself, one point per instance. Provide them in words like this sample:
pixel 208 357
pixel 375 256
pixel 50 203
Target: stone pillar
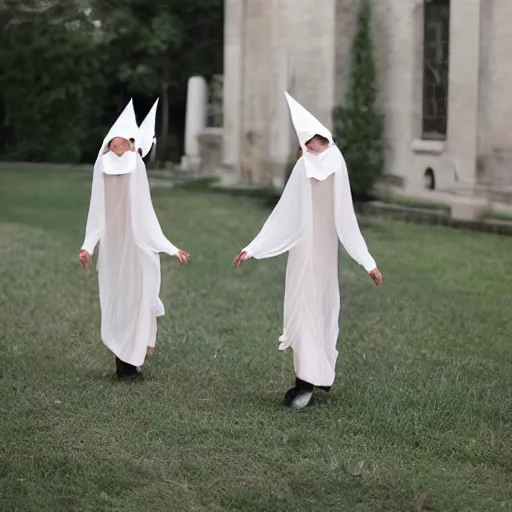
pixel 234 22
pixel 195 121
pixel 302 61
pixel 405 35
pixel 281 126
pixel 281 63
pixel 462 139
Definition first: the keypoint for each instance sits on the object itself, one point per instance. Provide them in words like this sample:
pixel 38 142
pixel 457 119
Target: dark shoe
pixel 289 396
pixel 324 388
pixel 301 400
pixel 299 397
pixel 125 369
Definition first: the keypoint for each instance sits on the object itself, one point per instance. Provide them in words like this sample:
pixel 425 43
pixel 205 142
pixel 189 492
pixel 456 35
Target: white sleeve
pixel 148 232
pixel 346 222
pixel 285 226
pixel 96 216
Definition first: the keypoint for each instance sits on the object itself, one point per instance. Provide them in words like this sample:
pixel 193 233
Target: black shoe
pixel 119 366
pixel 299 397
pixel 324 388
pixel 125 369
pixel 290 395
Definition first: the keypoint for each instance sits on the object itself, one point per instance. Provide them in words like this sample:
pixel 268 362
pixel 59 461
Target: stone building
pixel 445 75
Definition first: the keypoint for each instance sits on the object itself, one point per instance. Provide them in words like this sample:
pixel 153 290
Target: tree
pixel 156 45
pixel 51 84
pixel 358 124
pixel 69 66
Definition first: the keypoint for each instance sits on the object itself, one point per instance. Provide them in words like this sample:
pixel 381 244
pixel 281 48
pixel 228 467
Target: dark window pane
pixel 435 68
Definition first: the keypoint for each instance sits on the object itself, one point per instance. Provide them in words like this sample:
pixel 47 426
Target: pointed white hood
pixel 147 131
pixel 319 166
pixel 306 125
pixel 125 127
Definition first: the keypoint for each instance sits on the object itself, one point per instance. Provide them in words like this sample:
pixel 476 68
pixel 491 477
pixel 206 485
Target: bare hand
pixel 376 276
pixel 150 351
pixel 183 257
pixel 84 257
pixel 240 258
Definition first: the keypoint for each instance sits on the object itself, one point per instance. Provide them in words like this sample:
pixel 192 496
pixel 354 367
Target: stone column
pixel 195 121
pixel 233 88
pixel 462 139
pixel 280 125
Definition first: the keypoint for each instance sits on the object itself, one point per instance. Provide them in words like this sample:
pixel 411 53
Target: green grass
pixel 503 216
pixel 422 401
pixel 410 202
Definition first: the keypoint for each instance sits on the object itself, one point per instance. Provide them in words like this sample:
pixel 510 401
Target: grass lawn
pixel 408 202
pixel 422 402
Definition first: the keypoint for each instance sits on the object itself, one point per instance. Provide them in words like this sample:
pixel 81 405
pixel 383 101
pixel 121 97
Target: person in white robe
pixel 314 211
pixel 122 220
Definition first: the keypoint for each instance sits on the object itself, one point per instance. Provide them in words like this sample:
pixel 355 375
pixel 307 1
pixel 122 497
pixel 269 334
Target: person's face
pixel 315 145
pixel 119 146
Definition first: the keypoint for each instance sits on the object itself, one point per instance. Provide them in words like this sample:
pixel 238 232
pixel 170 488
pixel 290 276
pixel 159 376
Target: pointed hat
pixel 147 131
pixel 306 125
pixel 125 126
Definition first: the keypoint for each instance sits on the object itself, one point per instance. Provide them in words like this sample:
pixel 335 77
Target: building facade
pixel 444 69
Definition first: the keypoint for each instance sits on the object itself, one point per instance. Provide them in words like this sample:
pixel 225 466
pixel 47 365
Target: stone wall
pixel 210 144
pixel 397 27
pixel 304 46
pixel 309 56
pixel 495 108
pixel 478 148
pixel 281 49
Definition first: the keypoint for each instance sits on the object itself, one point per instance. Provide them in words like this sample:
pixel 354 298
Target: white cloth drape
pixel 122 219
pixel 307 221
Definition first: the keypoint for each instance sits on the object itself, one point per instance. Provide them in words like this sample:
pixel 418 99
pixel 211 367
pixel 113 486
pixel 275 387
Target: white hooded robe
pixel 122 219
pixel 314 211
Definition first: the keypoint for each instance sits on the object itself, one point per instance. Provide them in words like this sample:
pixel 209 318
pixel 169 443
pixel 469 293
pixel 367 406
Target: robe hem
pixel 116 353
pixel 317 384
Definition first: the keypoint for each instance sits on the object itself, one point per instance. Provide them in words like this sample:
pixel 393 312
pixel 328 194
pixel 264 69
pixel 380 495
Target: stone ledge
pixel 437 217
pixel 433 147
pixel 247 190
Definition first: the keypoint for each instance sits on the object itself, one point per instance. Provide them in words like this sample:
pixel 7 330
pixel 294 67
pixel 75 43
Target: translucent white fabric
pixel 116 165
pixel 307 221
pixel 146 137
pixel 122 219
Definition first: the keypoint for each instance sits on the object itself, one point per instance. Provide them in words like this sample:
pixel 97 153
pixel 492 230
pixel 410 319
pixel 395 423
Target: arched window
pixel 436 50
